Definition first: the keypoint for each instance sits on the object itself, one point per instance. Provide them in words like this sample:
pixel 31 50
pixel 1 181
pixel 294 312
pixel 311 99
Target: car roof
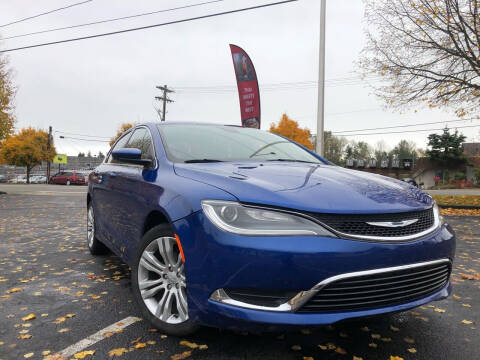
pixel 173 123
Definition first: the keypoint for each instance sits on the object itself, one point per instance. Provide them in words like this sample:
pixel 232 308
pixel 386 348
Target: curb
pixel 467 207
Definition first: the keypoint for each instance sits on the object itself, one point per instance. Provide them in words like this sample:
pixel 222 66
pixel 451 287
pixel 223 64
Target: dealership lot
pixel 54 296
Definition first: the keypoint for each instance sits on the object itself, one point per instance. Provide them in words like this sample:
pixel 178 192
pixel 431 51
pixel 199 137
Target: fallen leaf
pixel 412 350
pixel 375 336
pixel 466 322
pixel 117 352
pixel 439 310
pixel 46 352
pixel 296 348
pixel 340 351
pixel 373 345
pixel 456 297
pixel 28 355
pixel 140 345
pixel 14 290
pixel 29 317
pixel 84 354
pixel 24 336
pixel 357 358
pixel 323 347
pixel 181 356
pixel 63 330
pixel 409 340
pixel 395 357
pixel 393 328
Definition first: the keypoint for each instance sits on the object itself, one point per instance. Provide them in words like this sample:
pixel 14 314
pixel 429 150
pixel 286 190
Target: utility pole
pixel 165 100
pixel 319 146
pixel 49 145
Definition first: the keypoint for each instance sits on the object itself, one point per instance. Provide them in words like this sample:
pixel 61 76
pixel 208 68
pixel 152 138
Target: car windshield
pixel 215 143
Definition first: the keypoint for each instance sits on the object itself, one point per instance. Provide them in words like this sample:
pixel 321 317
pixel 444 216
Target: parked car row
pixel 62 177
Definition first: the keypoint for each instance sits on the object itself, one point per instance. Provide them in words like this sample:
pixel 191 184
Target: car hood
pixel 308 187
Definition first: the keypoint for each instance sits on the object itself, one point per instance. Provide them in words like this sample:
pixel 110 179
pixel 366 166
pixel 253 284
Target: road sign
pixel 60 159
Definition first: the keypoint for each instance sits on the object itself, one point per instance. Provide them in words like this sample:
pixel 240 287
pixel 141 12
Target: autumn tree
pixel 7 94
pixel 124 127
pixel 27 148
pixel 290 129
pixel 428 52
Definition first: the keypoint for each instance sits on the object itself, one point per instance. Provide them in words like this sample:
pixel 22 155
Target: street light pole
pixel 319 146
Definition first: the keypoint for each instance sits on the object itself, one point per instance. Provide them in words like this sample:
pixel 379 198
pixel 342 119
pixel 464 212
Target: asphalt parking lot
pixel 54 295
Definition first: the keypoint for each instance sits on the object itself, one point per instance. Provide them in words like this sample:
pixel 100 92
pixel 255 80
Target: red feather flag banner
pixel 248 90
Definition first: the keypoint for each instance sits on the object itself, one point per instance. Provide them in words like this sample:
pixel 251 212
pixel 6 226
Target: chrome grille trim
pixel 324 299
pixel 303 297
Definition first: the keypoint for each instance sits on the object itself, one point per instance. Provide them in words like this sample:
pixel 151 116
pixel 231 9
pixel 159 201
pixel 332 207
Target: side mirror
pixel 130 156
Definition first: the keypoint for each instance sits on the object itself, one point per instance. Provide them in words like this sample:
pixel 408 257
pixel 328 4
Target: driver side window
pixel 141 140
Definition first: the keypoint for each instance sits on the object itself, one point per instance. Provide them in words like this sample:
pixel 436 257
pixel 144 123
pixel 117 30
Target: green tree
pixel 27 148
pixel 446 149
pixel 81 154
pixel 405 150
pixel 7 94
pixel 334 147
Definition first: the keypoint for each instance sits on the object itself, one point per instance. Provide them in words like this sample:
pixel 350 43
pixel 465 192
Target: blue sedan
pixel 239 228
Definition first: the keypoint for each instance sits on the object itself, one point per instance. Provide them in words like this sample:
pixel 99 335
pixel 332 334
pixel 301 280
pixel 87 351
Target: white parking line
pixel 98 336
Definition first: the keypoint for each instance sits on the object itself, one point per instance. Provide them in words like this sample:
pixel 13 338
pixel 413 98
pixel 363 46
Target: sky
pixel 90 87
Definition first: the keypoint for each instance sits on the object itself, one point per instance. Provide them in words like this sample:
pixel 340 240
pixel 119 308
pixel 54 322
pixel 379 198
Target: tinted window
pixel 141 140
pixel 119 145
pixel 228 143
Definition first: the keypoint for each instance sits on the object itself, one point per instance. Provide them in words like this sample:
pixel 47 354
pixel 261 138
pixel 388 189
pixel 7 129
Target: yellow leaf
pixel 308 358
pixel 29 317
pixel 357 357
pixel 140 345
pixel 117 352
pixel 181 356
pixel 323 347
pixel 68 316
pixel 108 334
pixel 395 357
pixel 340 351
pixel 63 330
pixel 28 355
pixel 59 320
pixel 84 354
pixel 467 322
pixel 466 305
pixel 46 352
pixel 189 344
pixel 376 336
pixel 409 340
pixel 373 345
pixel 412 350
pixel 296 347
pixel 14 290
pixel 439 310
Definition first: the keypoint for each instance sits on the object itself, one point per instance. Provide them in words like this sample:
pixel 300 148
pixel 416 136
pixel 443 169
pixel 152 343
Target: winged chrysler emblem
pixel 393 224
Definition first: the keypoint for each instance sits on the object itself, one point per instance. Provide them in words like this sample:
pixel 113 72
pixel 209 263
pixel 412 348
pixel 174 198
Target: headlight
pixel 245 220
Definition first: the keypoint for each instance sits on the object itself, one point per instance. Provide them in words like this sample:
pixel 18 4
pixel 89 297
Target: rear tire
pixel 94 245
pixel 159 284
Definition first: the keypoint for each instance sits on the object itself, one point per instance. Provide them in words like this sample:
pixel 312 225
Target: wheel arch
pixel 155 218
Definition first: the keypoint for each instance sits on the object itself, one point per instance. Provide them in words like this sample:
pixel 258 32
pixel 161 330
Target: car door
pixel 102 187
pixel 132 187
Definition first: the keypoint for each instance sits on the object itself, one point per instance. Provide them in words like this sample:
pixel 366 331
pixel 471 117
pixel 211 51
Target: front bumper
pixel 217 260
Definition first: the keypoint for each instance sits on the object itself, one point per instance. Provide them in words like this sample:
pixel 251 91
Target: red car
pixel 68 177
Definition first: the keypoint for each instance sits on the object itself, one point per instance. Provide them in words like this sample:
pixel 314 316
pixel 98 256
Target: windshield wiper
pixel 294 160
pixel 194 161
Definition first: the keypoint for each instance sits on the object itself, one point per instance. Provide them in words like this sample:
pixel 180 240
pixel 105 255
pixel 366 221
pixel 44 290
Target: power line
pixel 46 13
pixel 83 135
pixel 73 138
pixel 409 131
pixel 403 126
pixel 149 26
pixel 111 20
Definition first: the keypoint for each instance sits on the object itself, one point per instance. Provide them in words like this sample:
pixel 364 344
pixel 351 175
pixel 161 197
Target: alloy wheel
pixel 161 280
pixel 90 226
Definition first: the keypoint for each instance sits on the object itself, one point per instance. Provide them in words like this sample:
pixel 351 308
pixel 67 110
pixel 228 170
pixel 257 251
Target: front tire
pixel 94 245
pixel 159 284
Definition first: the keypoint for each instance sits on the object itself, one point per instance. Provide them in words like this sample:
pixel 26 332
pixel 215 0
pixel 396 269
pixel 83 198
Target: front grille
pixel 379 290
pixel 356 224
